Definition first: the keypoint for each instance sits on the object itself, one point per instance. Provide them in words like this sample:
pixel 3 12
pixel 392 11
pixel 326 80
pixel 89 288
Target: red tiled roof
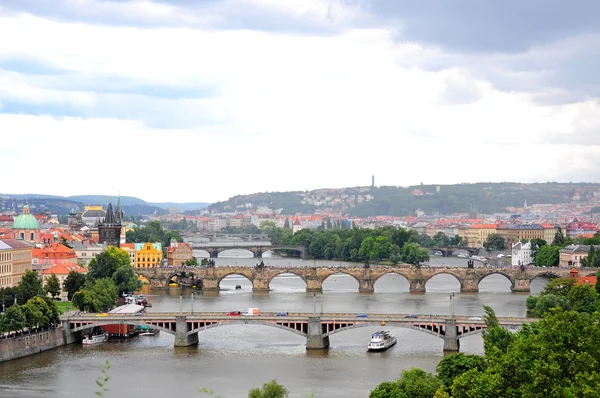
pixel 64 269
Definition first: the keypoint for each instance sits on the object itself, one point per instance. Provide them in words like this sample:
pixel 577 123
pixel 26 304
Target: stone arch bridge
pixel 316 328
pixel 209 278
pixel 214 249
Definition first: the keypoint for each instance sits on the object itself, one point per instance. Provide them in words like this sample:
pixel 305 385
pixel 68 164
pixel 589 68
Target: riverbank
pixel 22 345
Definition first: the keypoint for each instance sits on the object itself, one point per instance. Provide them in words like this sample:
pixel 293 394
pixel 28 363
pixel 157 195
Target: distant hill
pixel 132 206
pixel 403 201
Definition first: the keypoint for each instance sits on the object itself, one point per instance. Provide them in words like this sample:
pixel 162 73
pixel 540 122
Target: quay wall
pixel 29 344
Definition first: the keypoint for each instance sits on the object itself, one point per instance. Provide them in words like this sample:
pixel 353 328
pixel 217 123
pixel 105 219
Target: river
pixel 232 359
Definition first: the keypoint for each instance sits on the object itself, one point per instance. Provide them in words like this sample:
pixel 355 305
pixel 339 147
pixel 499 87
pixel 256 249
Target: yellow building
pixel 15 259
pixel 477 234
pixel 148 256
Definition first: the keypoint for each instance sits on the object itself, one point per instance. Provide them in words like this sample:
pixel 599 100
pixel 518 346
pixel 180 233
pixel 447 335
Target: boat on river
pixel 96 337
pixel 381 340
pixel 148 331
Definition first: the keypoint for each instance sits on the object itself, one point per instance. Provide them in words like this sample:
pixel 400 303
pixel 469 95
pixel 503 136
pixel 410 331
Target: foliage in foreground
pixel 559 356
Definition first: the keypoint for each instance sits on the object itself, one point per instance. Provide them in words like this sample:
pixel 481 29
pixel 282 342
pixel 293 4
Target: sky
pixel 190 101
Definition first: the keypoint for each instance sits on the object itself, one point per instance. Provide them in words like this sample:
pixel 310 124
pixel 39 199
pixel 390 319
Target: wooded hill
pixel 403 201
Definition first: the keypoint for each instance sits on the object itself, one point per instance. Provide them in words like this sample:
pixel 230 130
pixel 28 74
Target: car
pixel 281 314
pixel 361 315
pixel 411 316
pixel 234 313
pixel 475 318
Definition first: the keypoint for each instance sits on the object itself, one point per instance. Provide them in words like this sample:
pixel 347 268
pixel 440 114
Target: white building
pixel 521 254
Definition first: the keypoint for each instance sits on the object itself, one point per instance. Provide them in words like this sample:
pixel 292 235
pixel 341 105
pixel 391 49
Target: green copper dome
pixel 26 221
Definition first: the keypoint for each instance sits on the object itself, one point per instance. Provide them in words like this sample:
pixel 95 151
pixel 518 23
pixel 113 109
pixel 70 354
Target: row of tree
pixel 27 305
pixel 356 244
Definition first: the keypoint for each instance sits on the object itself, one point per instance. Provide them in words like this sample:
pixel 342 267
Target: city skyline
pixel 168 101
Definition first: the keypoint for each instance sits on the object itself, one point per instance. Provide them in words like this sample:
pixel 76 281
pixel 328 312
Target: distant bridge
pixel 315 327
pixel 214 248
pixel 209 278
pixel 218 236
pixel 447 251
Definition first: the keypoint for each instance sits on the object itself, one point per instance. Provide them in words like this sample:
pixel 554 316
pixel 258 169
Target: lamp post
pixel 314 303
pixel 452 304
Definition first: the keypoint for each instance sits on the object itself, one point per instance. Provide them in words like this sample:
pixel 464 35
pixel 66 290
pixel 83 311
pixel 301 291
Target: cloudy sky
pixel 181 100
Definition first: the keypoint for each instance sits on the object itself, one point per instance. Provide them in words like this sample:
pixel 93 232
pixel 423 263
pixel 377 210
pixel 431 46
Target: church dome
pixel 26 220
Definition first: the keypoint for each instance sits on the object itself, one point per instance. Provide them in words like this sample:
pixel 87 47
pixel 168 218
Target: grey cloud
pixel 486 25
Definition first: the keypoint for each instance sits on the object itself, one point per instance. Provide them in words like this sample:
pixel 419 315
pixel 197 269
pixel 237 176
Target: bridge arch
pixel 246 322
pixel 446 272
pixel 224 250
pixel 300 251
pixel 339 271
pixel 496 272
pixel 234 272
pixel 287 272
pixel 133 321
pixel 400 325
pixel 178 274
pixel 393 273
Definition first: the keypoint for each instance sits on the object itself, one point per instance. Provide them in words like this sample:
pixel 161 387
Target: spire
pixel 110 216
pixel 119 211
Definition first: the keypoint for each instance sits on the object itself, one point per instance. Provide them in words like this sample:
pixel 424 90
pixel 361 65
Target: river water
pixel 232 359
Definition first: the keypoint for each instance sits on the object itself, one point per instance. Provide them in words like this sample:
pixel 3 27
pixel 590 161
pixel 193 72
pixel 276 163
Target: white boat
pixel 381 340
pixel 95 338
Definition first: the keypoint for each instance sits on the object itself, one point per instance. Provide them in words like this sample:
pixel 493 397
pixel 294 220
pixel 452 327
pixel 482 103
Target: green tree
pixel 14 319
pixel 598 281
pixel 559 238
pixel 494 242
pixel 74 282
pixel 45 310
pixel 105 264
pixel 30 285
pixel 545 303
pixel 547 256
pixel 413 253
pixel 84 300
pixel 31 314
pixel 126 280
pixel 286 224
pixel 52 286
pixel 271 389
pixel 452 366
pixel 559 287
pixel 495 338
pixel 105 291
pixel 583 298
pixel 413 383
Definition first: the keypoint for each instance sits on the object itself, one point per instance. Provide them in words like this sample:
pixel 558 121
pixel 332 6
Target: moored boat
pixel 381 340
pixel 96 337
pixel 148 331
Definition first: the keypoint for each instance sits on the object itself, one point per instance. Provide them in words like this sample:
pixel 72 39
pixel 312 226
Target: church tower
pixel 109 230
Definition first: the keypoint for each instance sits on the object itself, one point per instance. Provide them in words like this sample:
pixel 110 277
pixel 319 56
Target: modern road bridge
pixel 257 248
pixel 209 278
pixel 315 327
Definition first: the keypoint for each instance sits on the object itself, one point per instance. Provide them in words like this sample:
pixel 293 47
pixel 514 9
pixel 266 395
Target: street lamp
pixel 452 304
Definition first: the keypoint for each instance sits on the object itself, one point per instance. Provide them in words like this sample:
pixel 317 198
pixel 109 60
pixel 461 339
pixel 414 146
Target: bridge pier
pixel 416 286
pixel 259 253
pixel 451 341
pixel 469 285
pixel 315 339
pixel 210 285
pixel 260 285
pixel 521 285
pixel 314 285
pixel 366 286
pixel 69 336
pixel 182 339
